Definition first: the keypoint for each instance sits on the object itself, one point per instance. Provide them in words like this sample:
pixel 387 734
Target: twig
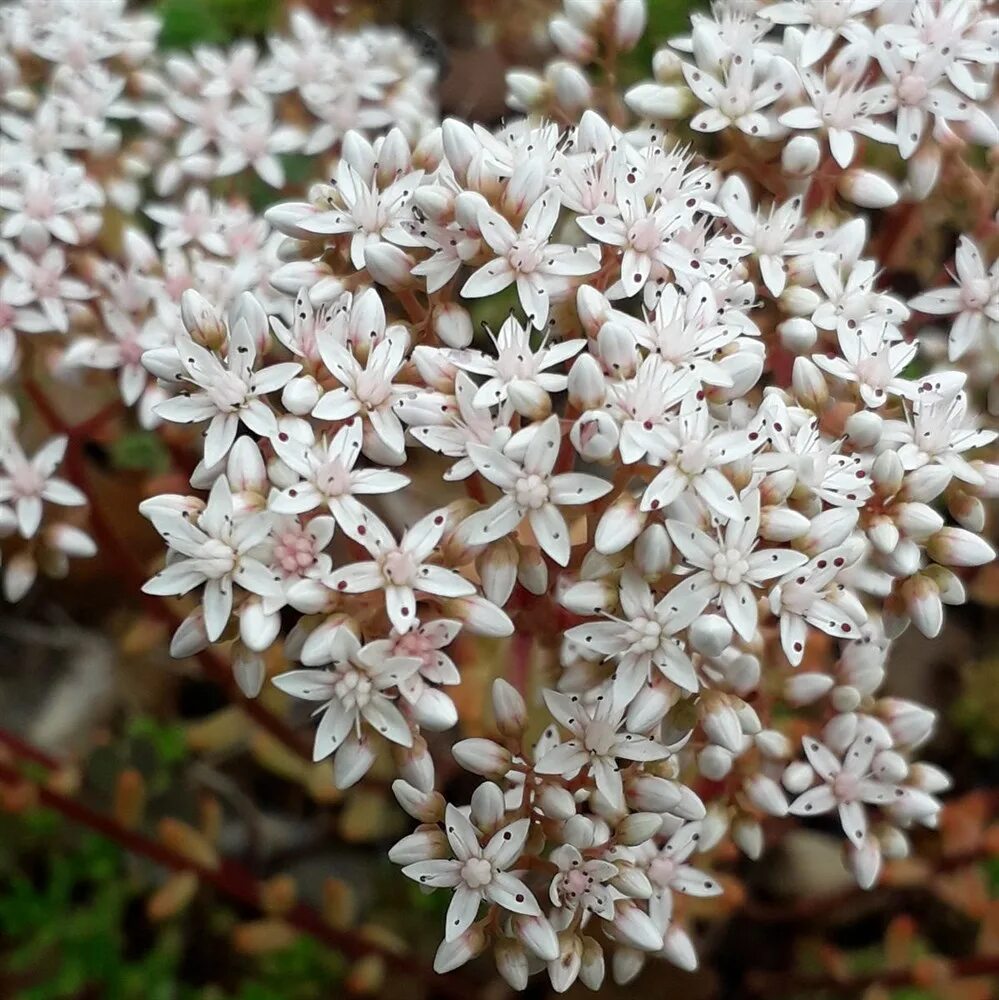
pixel 232 880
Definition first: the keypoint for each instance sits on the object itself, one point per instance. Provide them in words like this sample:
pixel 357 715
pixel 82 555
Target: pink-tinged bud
pixel 248 670
pixel 435 711
pixel 287 217
pixel 630 880
pixel 415 764
pixel 565 969
pixel 635 829
pixel 867 188
pixel 797 300
pixel 352 761
pixel 923 170
pixel 525 90
pixel 805 688
pixel 679 949
pixel 481 756
pixel 650 793
pixel 926 484
pixel 714 762
pixel 915 806
pixel 571 41
pixel 744 369
pixel 797 777
pixel 481 617
pixel 967 510
pixel 300 395
pixel 828 529
pixel 201 321
pixel 797 334
pixel 497 569
pixel 887 473
pixel 257 628
pixel 428 153
pixel 595 436
pixel 894 618
pixel 948 584
pixel 781 524
pixel 917 520
pixel 617 349
pixel 801 156
pixel 929 778
pixel 538 936
pixel 649 710
pixel 69 540
pixel 958 547
pixel 629 23
pixel 453 325
pixel 626 964
pixel 427 807
pixel 570 85
pixel 591 967
pixel 909 724
pixel 777 487
pixel 711 635
pixel 653 553
pixel 389 265
pixel 864 428
pixel 587 385
pixel 748 837
pixel 556 802
pixel 636 928
pixel 512 963
pixel 426 843
pixel 508 708
pixel 619 525
pixel 690 806
pixel 190 637
pixel 865 862
pixel 593 308
pixel 667 66
pixel 460 143
pixel 452 955
pixel 529 399
pixel 488 807
pixel 766 795
pixel 883 533
pixel 436 203
pixel 773 744
pixel 589 597
pixel 657 100
pixel 809 384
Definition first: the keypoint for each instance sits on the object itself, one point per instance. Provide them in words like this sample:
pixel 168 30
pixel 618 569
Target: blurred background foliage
pixel 192 779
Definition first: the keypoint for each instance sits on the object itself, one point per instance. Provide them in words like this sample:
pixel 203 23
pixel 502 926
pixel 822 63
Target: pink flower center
pixel 294 551
pixel 398 568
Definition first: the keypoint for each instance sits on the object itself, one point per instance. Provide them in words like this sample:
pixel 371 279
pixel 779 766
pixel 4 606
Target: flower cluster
pixel 695 464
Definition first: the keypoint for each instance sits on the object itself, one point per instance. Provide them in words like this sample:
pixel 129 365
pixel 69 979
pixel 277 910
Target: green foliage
pixel 189 22
pixel 140 451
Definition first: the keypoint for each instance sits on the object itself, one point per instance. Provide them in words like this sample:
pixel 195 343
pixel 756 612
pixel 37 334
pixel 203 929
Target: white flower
pixel 354 689
pixel 518 372
pixel 400 569
pixel 728 567
pixel 596 744
pixel 975 300
pixel 579 882
pixel 531 491
pixel 26 483
pixel 228 393
pixel 477 874
pixel 645 636
pixel 528 258
pixel 217 551
pixel 667 866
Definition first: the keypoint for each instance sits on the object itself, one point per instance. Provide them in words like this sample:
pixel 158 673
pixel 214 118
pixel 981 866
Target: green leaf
pixel 140 451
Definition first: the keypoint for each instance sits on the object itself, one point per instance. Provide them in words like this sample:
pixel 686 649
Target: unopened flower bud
pixel 426 807
pixel 867 188
pixel 958 547
pixel 482 756
pixel 714 762
pixel 201 321
pixel 453 325
pixel 635 927
pixel 537 934
pixel 923 170
pixel 619 525
pixel 766 795
pixel 512 963
pixel 389 265
pixel 508 708
pixel 587 385
pixel 653 552
pixel 571 41
pixel 426 843
pixel 967 510
pixel 809 384
pixel 657 100
pixel 801 156
pixel 864 428
pixel 805 688
pixel 595 436
pixel 571 87
pixel 637 828
pixel 865 862
pixel 629 23
pixel 651 793
pixel 797 334
pixel 710 635
pixel 529 399
pixel 910 724
pixel 525 89
pixel 797 777
pixel 452 955
pixel 797 300
pixel 748 837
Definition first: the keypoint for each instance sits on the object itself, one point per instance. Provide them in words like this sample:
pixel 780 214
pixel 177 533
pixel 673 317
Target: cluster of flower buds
pixel 694 467
pixel 90 115
pixel 589 36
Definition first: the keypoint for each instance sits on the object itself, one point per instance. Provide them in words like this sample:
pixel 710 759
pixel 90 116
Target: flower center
pixel 975 294
pixel 217 559
pixel 531 492
pixel 525 255
pixel 351 687
pixel 398 568
pixel 476 872
pixel 912 89
pixel 227 392
pixel 644 236
pixel 729 566
pixel 845 786
pixel 294 551
pixel 599 738
pixel 692 458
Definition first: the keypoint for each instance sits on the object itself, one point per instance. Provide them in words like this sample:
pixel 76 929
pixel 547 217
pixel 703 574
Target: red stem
pixel 233 881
